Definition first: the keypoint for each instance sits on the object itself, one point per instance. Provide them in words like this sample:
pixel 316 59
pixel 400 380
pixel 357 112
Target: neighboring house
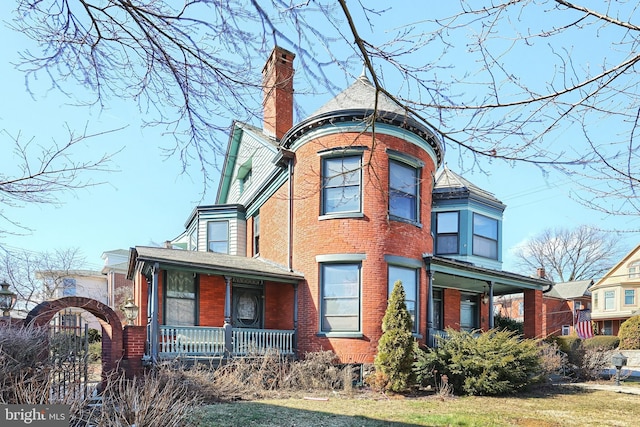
pixel 312 225
pixel 562 306
pixel 614 298
pixel 72 283
pixel 119 288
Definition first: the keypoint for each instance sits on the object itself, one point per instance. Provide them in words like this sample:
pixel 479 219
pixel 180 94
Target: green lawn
pixel 555 406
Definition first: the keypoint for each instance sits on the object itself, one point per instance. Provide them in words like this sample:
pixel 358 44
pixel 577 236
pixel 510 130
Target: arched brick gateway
pixel 112 342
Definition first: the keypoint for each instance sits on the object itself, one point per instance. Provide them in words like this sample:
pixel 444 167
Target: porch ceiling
pixel 142 257
pixel 459 275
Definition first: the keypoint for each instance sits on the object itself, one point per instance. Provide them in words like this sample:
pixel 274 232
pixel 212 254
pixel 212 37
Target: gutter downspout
pixel 290 216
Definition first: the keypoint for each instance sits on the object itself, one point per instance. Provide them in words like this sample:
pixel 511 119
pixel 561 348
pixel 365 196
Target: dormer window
pixel 485 236
pixel 447 233
pixel 218 236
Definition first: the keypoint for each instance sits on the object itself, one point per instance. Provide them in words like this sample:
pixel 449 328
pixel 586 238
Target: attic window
pixel 634 270
pixel 244 174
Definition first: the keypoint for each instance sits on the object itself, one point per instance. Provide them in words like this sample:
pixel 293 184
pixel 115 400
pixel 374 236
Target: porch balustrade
pixel 201 341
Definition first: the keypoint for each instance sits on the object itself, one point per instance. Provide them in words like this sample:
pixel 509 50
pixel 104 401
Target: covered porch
pixel 203 305
pixel 460 296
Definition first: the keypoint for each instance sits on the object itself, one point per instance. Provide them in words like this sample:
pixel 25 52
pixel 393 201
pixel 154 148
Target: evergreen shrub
pixel 490 363
pixel 394 360
pixel 629 334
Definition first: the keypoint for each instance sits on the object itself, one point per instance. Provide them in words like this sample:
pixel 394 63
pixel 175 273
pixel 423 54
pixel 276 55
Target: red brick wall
pixel 211 300
pixel 274 227
pixel 558 313
pixel 373 234
pixel 278 312
pixel 451 302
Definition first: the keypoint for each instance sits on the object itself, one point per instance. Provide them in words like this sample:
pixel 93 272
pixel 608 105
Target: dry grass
pixel 552 406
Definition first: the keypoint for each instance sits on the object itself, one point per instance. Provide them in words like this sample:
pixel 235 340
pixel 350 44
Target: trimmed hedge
pixel 629 334
pixel 604 342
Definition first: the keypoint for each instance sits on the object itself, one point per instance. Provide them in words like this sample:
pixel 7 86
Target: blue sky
pixel 148 200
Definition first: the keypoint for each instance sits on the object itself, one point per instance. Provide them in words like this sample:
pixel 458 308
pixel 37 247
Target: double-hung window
pixel 340 297
pixel 629 296
pixel 447 233
pixel 180 298
pixel 403 191
pixel 218 236
pixel 409 278
pixel 485 236
pixel 609 300
pixel 341 184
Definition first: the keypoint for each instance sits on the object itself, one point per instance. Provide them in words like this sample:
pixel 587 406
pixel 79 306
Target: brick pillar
pixel 533 313
pixel 134 340
pixel 451 308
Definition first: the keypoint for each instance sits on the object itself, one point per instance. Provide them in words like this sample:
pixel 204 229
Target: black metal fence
pixel 69 353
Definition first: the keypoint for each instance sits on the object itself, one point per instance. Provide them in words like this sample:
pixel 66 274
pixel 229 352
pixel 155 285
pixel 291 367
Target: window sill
pixel 405 220
pixel 341 215
pixel 340 334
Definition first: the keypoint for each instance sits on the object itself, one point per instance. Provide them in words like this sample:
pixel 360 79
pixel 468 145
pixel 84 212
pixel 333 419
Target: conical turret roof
pixel 361 95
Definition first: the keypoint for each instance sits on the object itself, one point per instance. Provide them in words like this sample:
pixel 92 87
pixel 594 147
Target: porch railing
pixel 201 341
pixel 260 341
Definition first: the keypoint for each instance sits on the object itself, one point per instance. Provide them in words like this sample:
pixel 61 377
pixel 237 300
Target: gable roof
pixel 449 184
pixel 634 253
pixel 570 290
pixel 210 263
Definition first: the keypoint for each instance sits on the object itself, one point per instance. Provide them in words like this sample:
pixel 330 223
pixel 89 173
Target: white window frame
pixel 609 297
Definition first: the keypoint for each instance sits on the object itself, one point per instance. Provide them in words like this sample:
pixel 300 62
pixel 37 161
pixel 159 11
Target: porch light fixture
pixel 7 299
pixel 130 311
pixel 485 298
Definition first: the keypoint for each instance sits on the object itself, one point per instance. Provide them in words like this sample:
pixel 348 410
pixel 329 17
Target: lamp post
pixel 7 299
pixel 618 360
pixel 130 311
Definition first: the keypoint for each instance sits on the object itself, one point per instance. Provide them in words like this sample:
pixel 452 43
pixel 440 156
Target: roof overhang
pixel 144 258
pixel 449 273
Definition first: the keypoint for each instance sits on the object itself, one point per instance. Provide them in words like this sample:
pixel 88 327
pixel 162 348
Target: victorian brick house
pixel 313 223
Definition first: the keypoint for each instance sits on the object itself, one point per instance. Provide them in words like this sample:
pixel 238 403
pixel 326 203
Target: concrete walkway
pixel 626 389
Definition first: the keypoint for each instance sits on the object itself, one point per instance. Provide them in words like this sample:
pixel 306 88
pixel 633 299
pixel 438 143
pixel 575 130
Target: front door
pixel 247 308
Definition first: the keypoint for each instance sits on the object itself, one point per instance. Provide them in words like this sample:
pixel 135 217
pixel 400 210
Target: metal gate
pixel 69 355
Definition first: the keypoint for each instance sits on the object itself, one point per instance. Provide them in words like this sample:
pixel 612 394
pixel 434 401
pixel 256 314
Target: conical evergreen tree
pixel 395 348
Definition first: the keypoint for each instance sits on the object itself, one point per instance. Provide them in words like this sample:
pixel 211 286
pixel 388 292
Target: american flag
pixel 583 324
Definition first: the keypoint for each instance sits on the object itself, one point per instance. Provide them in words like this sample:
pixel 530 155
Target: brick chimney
pixel 277 87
